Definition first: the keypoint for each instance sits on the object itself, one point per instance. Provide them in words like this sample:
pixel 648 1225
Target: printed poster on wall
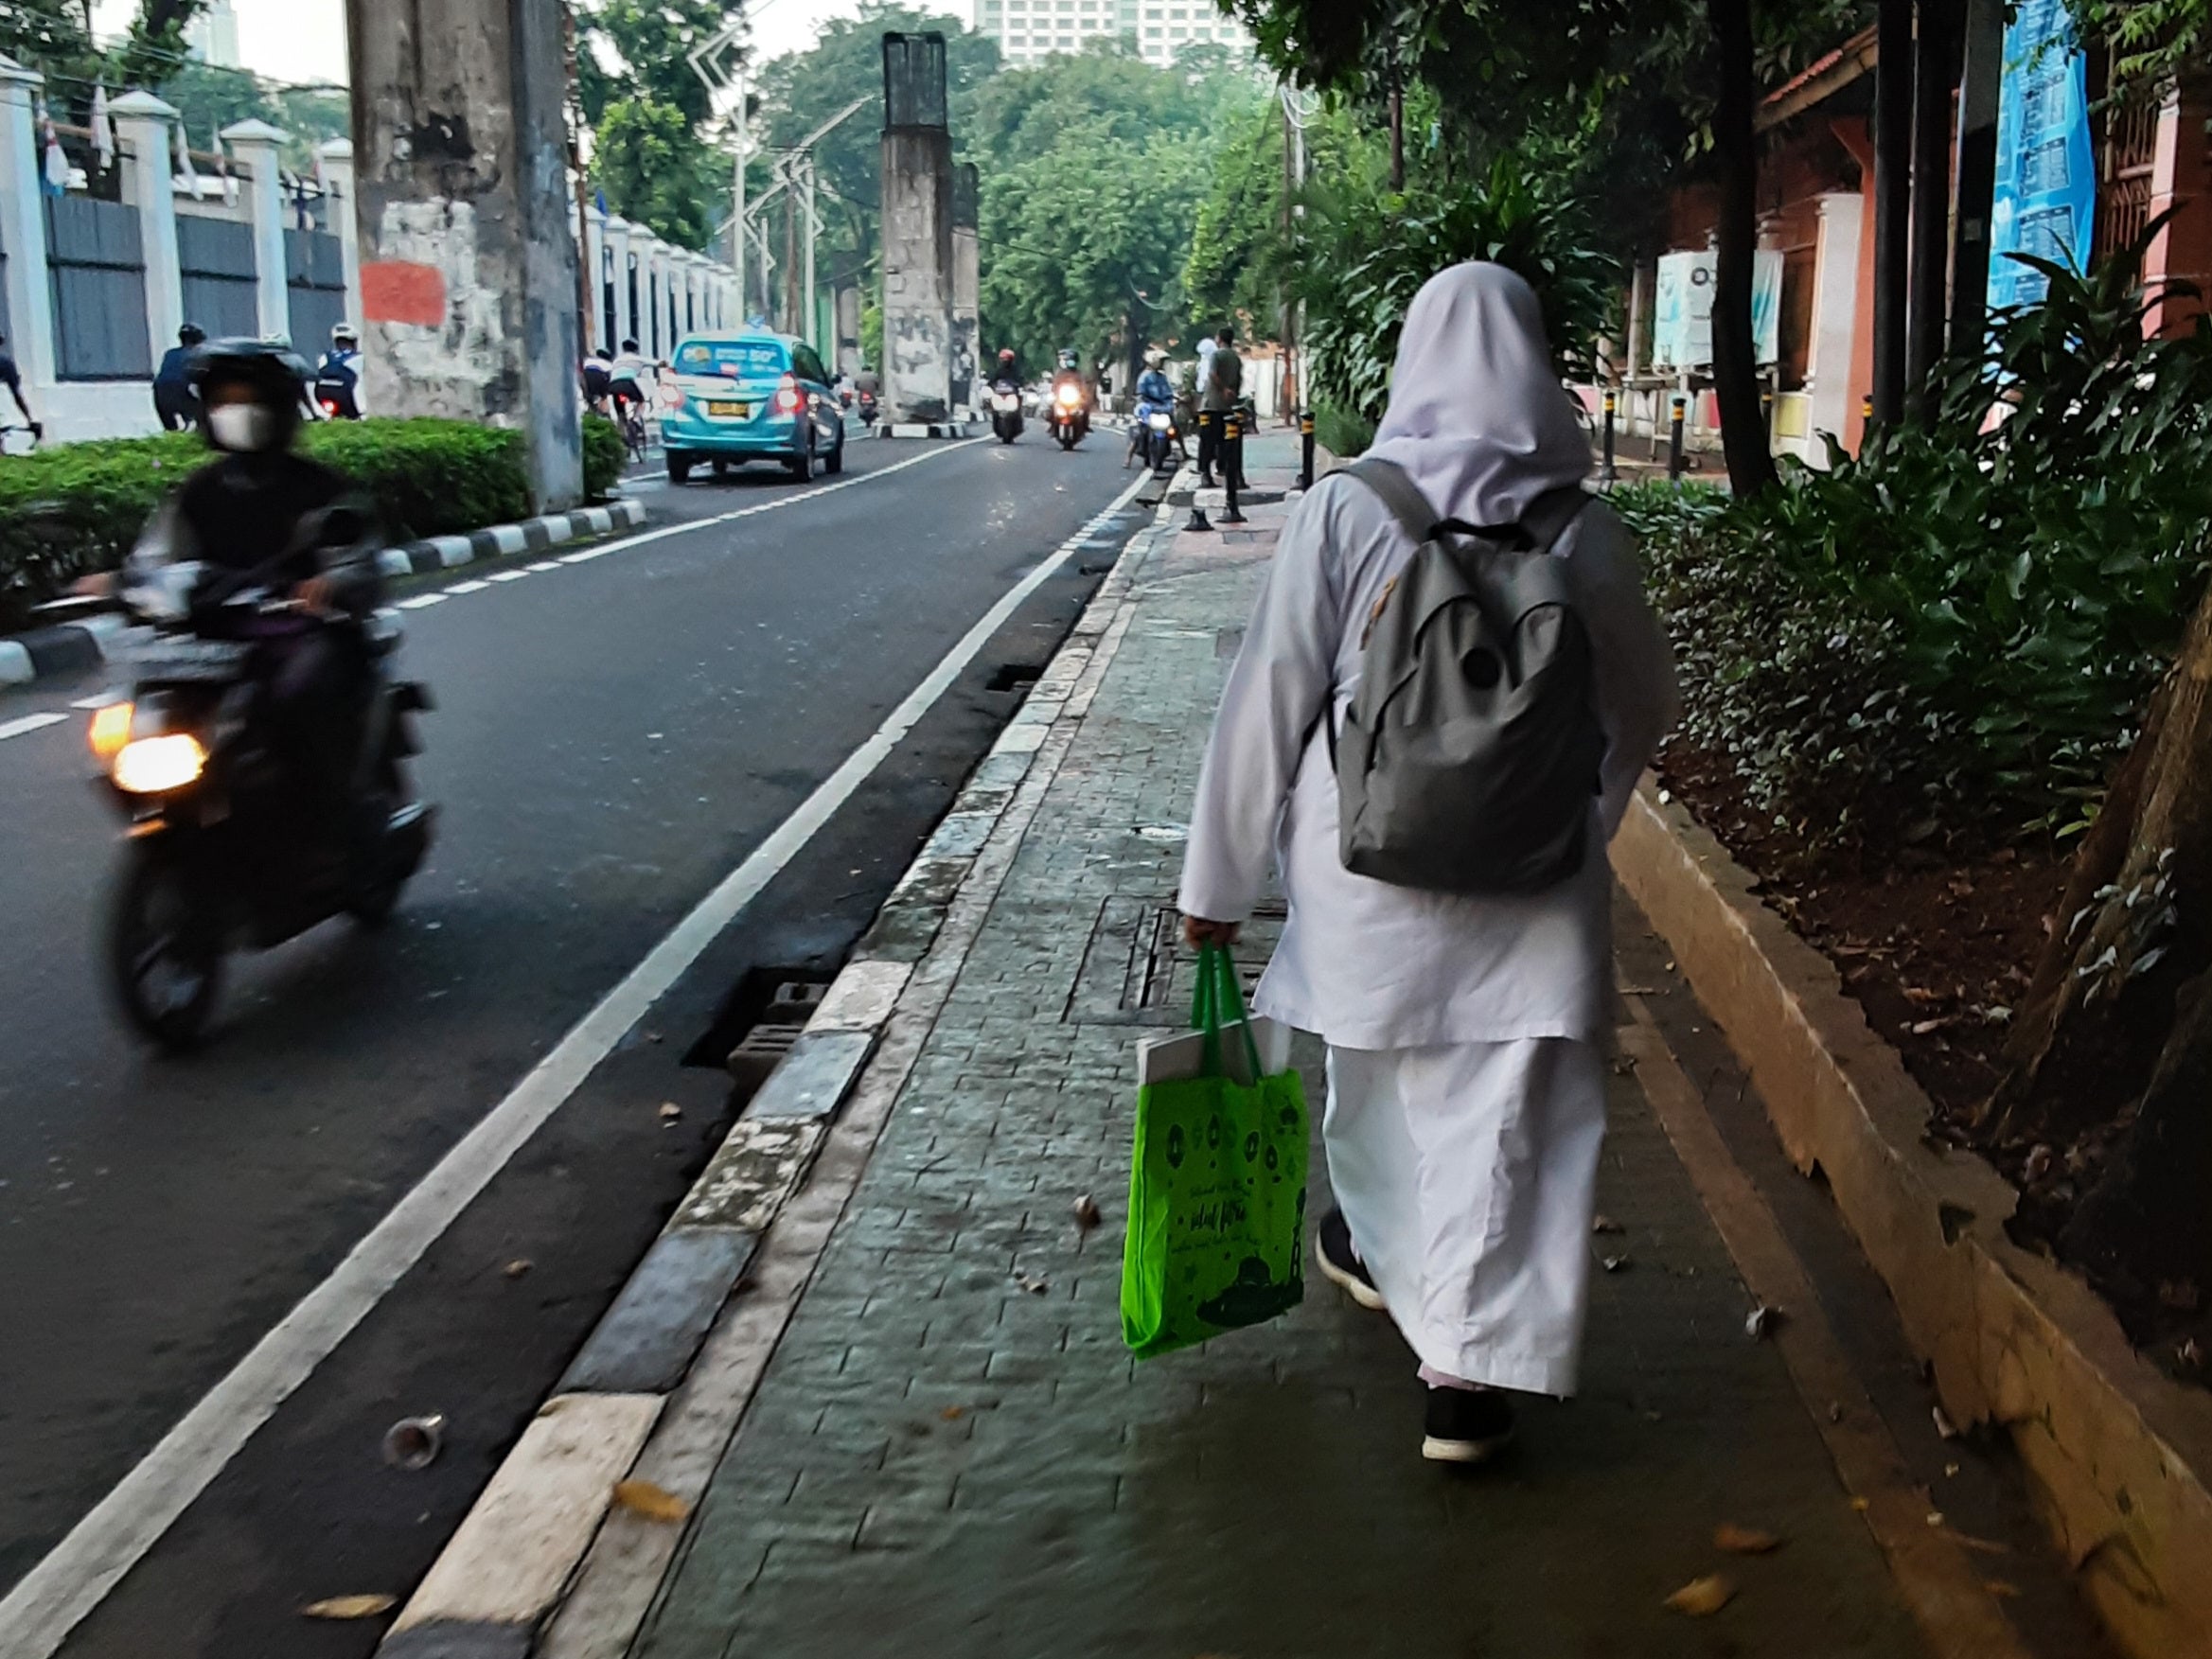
pixel 1682 309
pixel 2045 198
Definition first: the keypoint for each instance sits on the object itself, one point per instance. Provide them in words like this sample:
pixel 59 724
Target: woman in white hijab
pixel 1466 1064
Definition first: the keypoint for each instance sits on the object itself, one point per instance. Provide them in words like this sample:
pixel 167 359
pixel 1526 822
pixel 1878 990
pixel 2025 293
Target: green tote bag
pixel 1216 1188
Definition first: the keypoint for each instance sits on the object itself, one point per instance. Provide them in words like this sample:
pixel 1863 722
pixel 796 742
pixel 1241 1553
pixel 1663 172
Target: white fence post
pixel 596 280
pixel 147 128
pixel 644 247
pixel 255 143
pixel 334 167
pixel 23 229
pixel 626 325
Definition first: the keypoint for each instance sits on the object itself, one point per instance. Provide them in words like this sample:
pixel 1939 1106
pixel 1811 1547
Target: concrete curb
pixel 443 553
pixel 2119 1453
pixel 70 647
pixel 658 1341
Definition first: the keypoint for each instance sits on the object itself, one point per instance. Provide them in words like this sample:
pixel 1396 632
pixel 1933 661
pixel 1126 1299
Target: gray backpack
pixel 1470 754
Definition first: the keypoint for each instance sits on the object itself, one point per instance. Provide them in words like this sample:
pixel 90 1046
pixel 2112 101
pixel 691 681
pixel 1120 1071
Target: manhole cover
pixel 1137 970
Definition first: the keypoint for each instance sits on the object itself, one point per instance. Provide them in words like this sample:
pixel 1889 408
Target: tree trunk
pixel 1893 143
pixel 1397 124
pixel 2112 1046
pixel 1735 352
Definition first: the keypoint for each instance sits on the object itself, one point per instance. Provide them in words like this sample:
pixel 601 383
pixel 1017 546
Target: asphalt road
pixel 612 738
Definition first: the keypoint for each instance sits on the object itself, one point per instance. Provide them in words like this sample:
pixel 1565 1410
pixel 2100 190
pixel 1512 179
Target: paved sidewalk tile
pixel 952 1454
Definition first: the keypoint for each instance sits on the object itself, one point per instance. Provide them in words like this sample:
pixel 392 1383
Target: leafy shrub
pixel 604 454
pixel 1956 630
pixel 1370 257
pixel 1342 432
pixel 79 507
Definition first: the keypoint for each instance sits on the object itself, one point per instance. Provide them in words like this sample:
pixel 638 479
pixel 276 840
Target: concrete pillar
pixel 334 167
pixel 467 222
pixel 596 280
pixel 253 145
pixel 1835 314
pixel 618 251
pixel 917 231
pixel 145 129
pixel 23 227
pixel 967 289
pixel 848 328
pixel 644 248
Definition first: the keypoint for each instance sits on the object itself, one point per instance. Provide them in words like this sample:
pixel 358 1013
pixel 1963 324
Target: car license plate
pixel 729 411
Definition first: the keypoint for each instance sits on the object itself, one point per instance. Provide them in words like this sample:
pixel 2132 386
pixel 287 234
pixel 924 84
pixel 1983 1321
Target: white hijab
pixel 1477 416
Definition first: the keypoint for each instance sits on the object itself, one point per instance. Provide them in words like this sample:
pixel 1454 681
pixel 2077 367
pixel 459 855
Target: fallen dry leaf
pixel 1703 1597
pixel 349 1607
pixel 670 1111
pixel 953 1413
pixel 1861 1505
pixel 1086 1212
pixel 655 1503
pixel 516 1268
pixel 1737 1539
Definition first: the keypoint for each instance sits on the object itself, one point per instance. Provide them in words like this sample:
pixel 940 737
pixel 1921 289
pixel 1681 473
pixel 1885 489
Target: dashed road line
pixel 23 723
pixel 100 699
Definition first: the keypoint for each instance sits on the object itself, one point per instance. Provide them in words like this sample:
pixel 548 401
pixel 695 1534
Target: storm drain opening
pixel 759 1022
pixel 1013 676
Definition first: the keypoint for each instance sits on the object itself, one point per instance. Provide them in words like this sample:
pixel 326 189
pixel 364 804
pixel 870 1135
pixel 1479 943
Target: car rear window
pixel 732 359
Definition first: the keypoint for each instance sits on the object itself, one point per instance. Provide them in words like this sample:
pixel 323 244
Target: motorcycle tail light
pixel 330 407
pixel 788 397
pixel 111 729
pixel 154 765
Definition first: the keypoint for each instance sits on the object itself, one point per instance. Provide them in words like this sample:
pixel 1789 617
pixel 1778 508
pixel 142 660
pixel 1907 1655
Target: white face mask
pixel 242 427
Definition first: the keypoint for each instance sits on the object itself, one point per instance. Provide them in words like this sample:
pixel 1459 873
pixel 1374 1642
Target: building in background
pixel 1029 32
pixel 213 36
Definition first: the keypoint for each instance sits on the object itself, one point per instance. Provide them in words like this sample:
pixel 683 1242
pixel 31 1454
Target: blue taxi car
pixel 747 395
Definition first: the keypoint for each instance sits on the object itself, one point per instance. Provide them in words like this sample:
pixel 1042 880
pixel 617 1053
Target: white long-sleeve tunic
pixel 1364 963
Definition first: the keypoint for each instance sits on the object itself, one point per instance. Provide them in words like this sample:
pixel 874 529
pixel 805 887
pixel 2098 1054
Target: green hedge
pixel 77 507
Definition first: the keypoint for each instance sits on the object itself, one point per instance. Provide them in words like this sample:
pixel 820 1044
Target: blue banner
pixel 2045 200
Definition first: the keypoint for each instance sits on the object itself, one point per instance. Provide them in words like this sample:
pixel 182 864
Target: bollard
pixel 1305 437
pixel 1207 446
pixel 1675 437
pixel 1233 465
pixel 1766 415
pixel 1609 474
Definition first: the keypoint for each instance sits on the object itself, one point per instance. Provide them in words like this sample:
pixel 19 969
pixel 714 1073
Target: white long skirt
pixel 1468 1174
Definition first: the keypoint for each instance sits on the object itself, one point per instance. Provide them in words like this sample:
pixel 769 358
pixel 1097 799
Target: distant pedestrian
pixel 11 378
pixel 1466 1063
pixel 174 404
pixel 1221 384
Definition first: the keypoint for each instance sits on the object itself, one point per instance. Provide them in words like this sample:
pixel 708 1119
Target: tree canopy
pixel 52 36
pixel 647 110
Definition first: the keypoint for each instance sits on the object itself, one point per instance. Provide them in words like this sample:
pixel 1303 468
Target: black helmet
pixel 269 369
pixel 191 334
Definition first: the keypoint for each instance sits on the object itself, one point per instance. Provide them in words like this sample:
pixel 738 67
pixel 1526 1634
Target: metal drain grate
pixel 1137 971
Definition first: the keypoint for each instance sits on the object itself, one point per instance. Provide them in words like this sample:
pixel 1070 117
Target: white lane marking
pixel 510 576
pixel 73 1579
pixel 543 564
pixel 421 600
pixel 100 699
pixel 469 587
pixel 16 727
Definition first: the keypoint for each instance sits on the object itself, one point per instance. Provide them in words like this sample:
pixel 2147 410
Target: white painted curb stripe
pixel 453 549
pixel 74 1577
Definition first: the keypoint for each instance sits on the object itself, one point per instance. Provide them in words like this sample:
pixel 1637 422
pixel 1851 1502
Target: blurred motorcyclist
pixel 1154 392
pixel 172 381
pixel 252 519
pixel 1008 371
pixel 1070 372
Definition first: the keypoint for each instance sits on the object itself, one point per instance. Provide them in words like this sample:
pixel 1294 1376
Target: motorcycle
pixel 1066 418
pixel 866 401
pixel 1156 436
pixel 336 392
pixel 216 856
pixel 1005 411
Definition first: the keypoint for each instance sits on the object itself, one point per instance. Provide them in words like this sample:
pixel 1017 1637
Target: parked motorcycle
pixel 1066 418
pixel 1006 409
pixel 220 854
pixel 1156 436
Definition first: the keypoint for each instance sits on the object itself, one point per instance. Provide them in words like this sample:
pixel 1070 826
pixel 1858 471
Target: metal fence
pixel 314 272
pixel 215 268
pixel 97 269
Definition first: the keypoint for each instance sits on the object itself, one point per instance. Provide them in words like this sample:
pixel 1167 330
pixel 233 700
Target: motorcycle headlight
pixel 1159 423
pixel 1069 397
pixel 154 765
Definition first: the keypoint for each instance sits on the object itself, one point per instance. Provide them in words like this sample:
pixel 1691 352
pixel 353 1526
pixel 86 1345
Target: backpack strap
pixel 1400 494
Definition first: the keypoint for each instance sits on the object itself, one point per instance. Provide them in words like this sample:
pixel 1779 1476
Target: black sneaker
pixel 1341 1263
pixel 1466 1425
